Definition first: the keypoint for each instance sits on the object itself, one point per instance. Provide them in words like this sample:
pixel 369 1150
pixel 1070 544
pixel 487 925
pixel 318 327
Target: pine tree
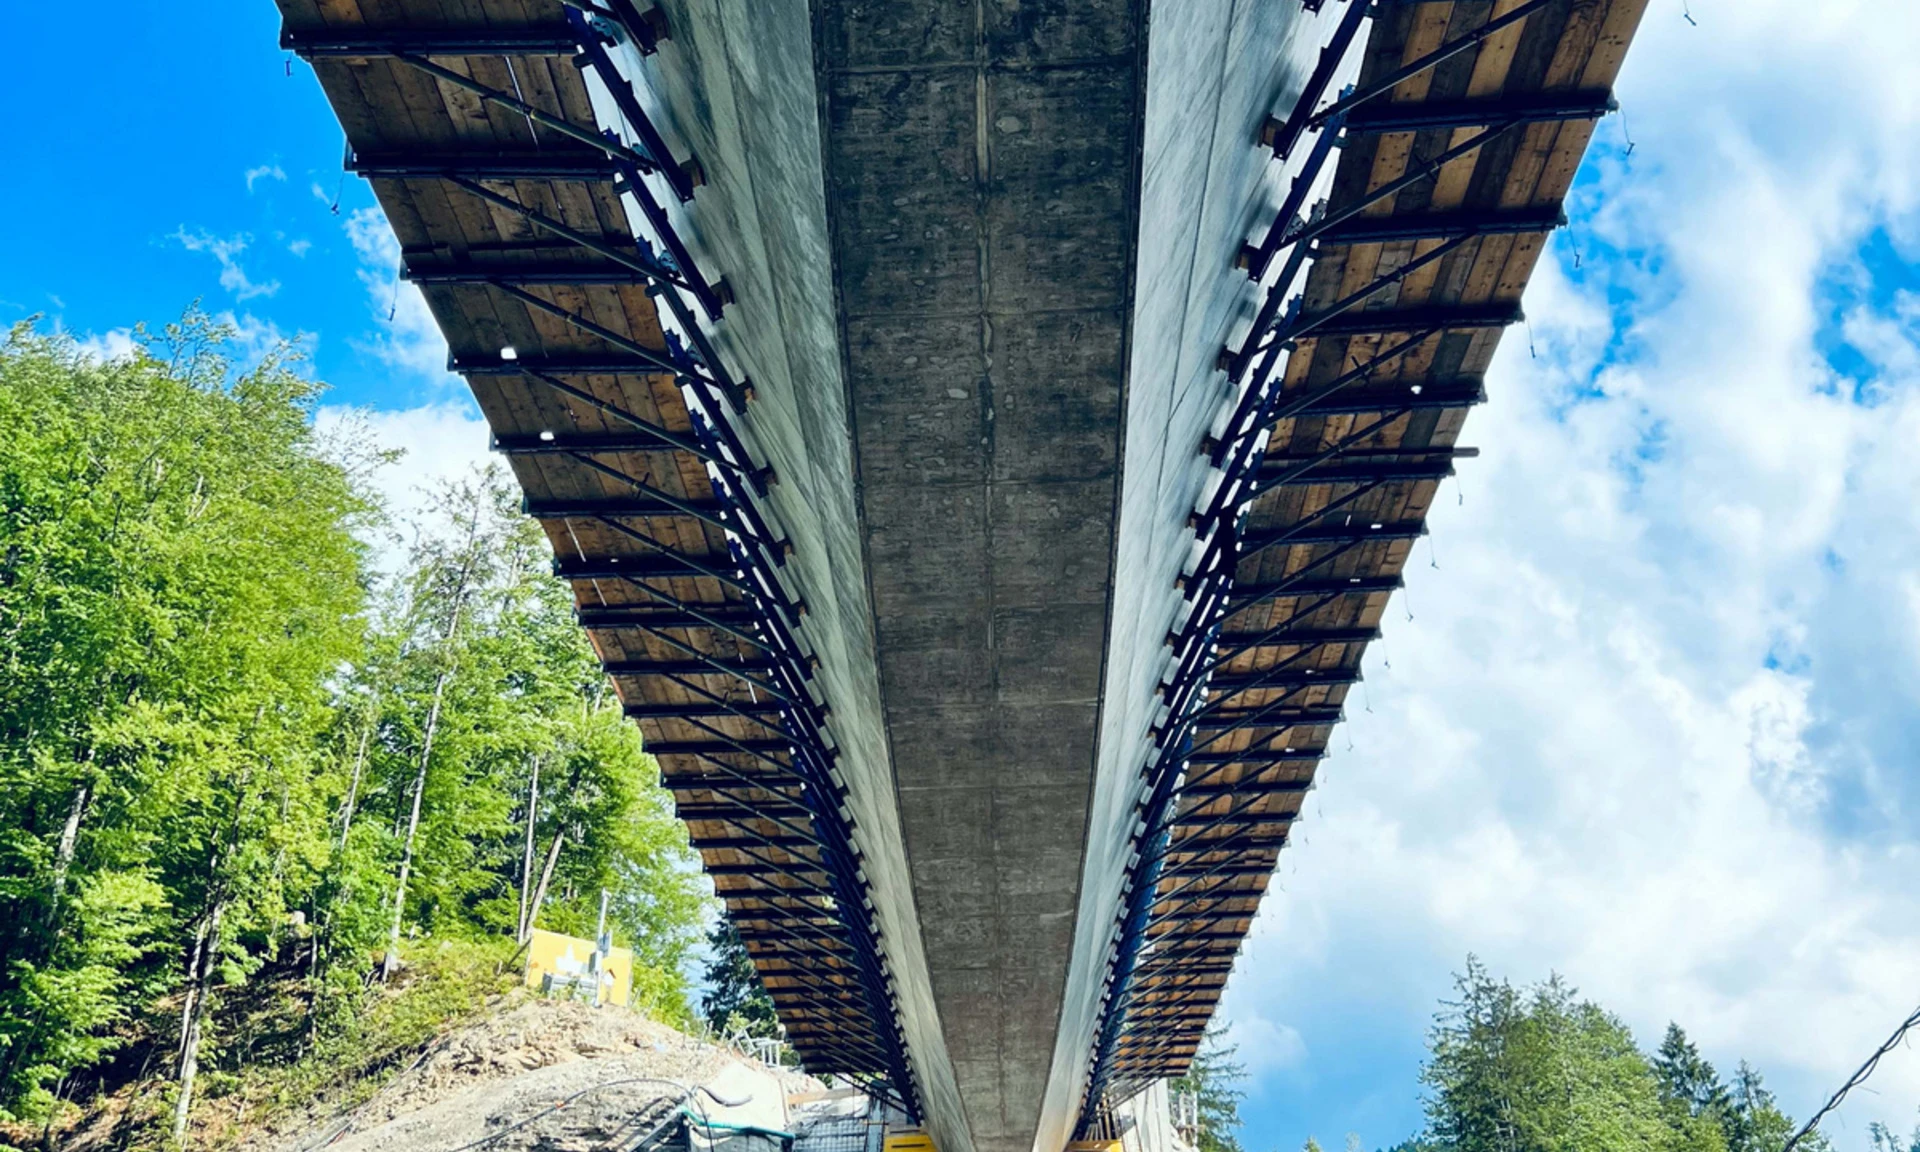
pixel 1687 1080
pixel 1217 1082
pixel 734 1001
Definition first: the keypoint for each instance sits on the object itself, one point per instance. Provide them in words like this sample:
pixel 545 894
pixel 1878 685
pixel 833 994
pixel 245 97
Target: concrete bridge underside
pixel 981 260
pixel 992 230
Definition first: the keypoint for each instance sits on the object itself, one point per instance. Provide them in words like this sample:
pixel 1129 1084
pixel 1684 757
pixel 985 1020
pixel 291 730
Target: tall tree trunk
pixel 63 855
pixel 193 988
pixel 353 789
pixel 391 963
pixel 540 893
pixel 461 589
pixel 526 864
pixel 192 1016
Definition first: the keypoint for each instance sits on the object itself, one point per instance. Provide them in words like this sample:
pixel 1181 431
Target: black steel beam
pixel 556 164
pixel 1305 637
pixel 1381 85
pixel 1401 397
pixel 371 44
pixel 1335 473
pixel 1279 718
pixel 1239 845
pixel 638 505
pixel 558 273
pixel 1234 683
pixel 638 617
pixel 555 443
pixel 1263 758
pixel 597 364
pixel 647 710
pixel 641 566
pixel 1248 593
pixel 753 871
pixel 1381 321
pixel 1192 818
pixel 686 667
pixel 1417 115
pixel 1450 452
pixel 1235 870
pixel 790 844
pixel 709 811
pixel 719 748
pixel 1442 225
pixel 1362 529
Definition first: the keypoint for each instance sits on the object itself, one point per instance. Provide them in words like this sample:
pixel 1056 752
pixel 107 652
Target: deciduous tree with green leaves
pixel 232 750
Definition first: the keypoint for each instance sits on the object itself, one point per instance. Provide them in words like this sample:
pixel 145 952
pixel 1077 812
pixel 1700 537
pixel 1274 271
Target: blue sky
pixel 1648 712
pixel 174 152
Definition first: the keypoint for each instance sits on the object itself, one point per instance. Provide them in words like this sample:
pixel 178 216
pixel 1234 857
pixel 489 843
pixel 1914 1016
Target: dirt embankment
pixel 495 1083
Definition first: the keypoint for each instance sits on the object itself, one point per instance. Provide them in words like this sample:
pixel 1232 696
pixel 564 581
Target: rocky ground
pixel 495 1085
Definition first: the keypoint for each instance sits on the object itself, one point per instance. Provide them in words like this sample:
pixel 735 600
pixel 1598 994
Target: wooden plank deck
pixel 1245 790
pixel 745 814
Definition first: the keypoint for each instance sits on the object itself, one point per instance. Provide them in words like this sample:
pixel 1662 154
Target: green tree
pixel 1217 1082
pixel 1754 1123
pixel 234 759
pixel 734 1001
pixel 179 577
pixel 1885 1139
pixel 1687 1080
pixel 1537 1071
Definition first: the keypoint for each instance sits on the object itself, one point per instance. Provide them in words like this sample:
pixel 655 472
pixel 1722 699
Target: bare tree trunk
pixel 540 893
pixel 192 1016
pixel 391 963
pixel 63 855
pixel 526 865
pixel 193 989
pixel 353 789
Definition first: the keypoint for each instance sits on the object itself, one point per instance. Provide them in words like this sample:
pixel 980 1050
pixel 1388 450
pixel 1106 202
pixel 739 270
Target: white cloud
pixel 227 251
pixel 436 442
pixel 1652 724
pixel 411 338
pixel 1264 1046
pixel 251 338
pixel 265 172
pixel 115 344
pixel 300 247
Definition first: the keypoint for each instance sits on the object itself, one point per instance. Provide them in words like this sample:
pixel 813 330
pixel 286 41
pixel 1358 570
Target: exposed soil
pixel 618 1073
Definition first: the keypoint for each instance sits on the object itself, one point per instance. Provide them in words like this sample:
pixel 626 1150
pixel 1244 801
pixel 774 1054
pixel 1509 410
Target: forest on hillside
pixel 249 777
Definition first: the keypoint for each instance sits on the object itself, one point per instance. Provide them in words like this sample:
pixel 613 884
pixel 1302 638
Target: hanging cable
pixel 1858 1078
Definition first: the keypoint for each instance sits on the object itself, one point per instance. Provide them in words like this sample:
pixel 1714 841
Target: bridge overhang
pixel 980 528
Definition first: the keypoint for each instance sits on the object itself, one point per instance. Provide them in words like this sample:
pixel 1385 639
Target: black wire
pixel 1859 1077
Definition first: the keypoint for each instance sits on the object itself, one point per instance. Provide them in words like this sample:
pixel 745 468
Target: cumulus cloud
pixel 265 172
pixel 410 339
pixel 115 344
pixel 1652 721
pixel 227 251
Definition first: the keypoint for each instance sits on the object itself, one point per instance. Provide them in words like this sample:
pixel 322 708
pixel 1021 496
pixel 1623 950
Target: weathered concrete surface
pixel 958 283
pixel 982 169
pixel 736 85
pixel 1214 72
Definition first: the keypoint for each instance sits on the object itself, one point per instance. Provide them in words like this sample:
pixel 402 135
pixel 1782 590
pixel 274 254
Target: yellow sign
pixel 564 966
pixel 908 1140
